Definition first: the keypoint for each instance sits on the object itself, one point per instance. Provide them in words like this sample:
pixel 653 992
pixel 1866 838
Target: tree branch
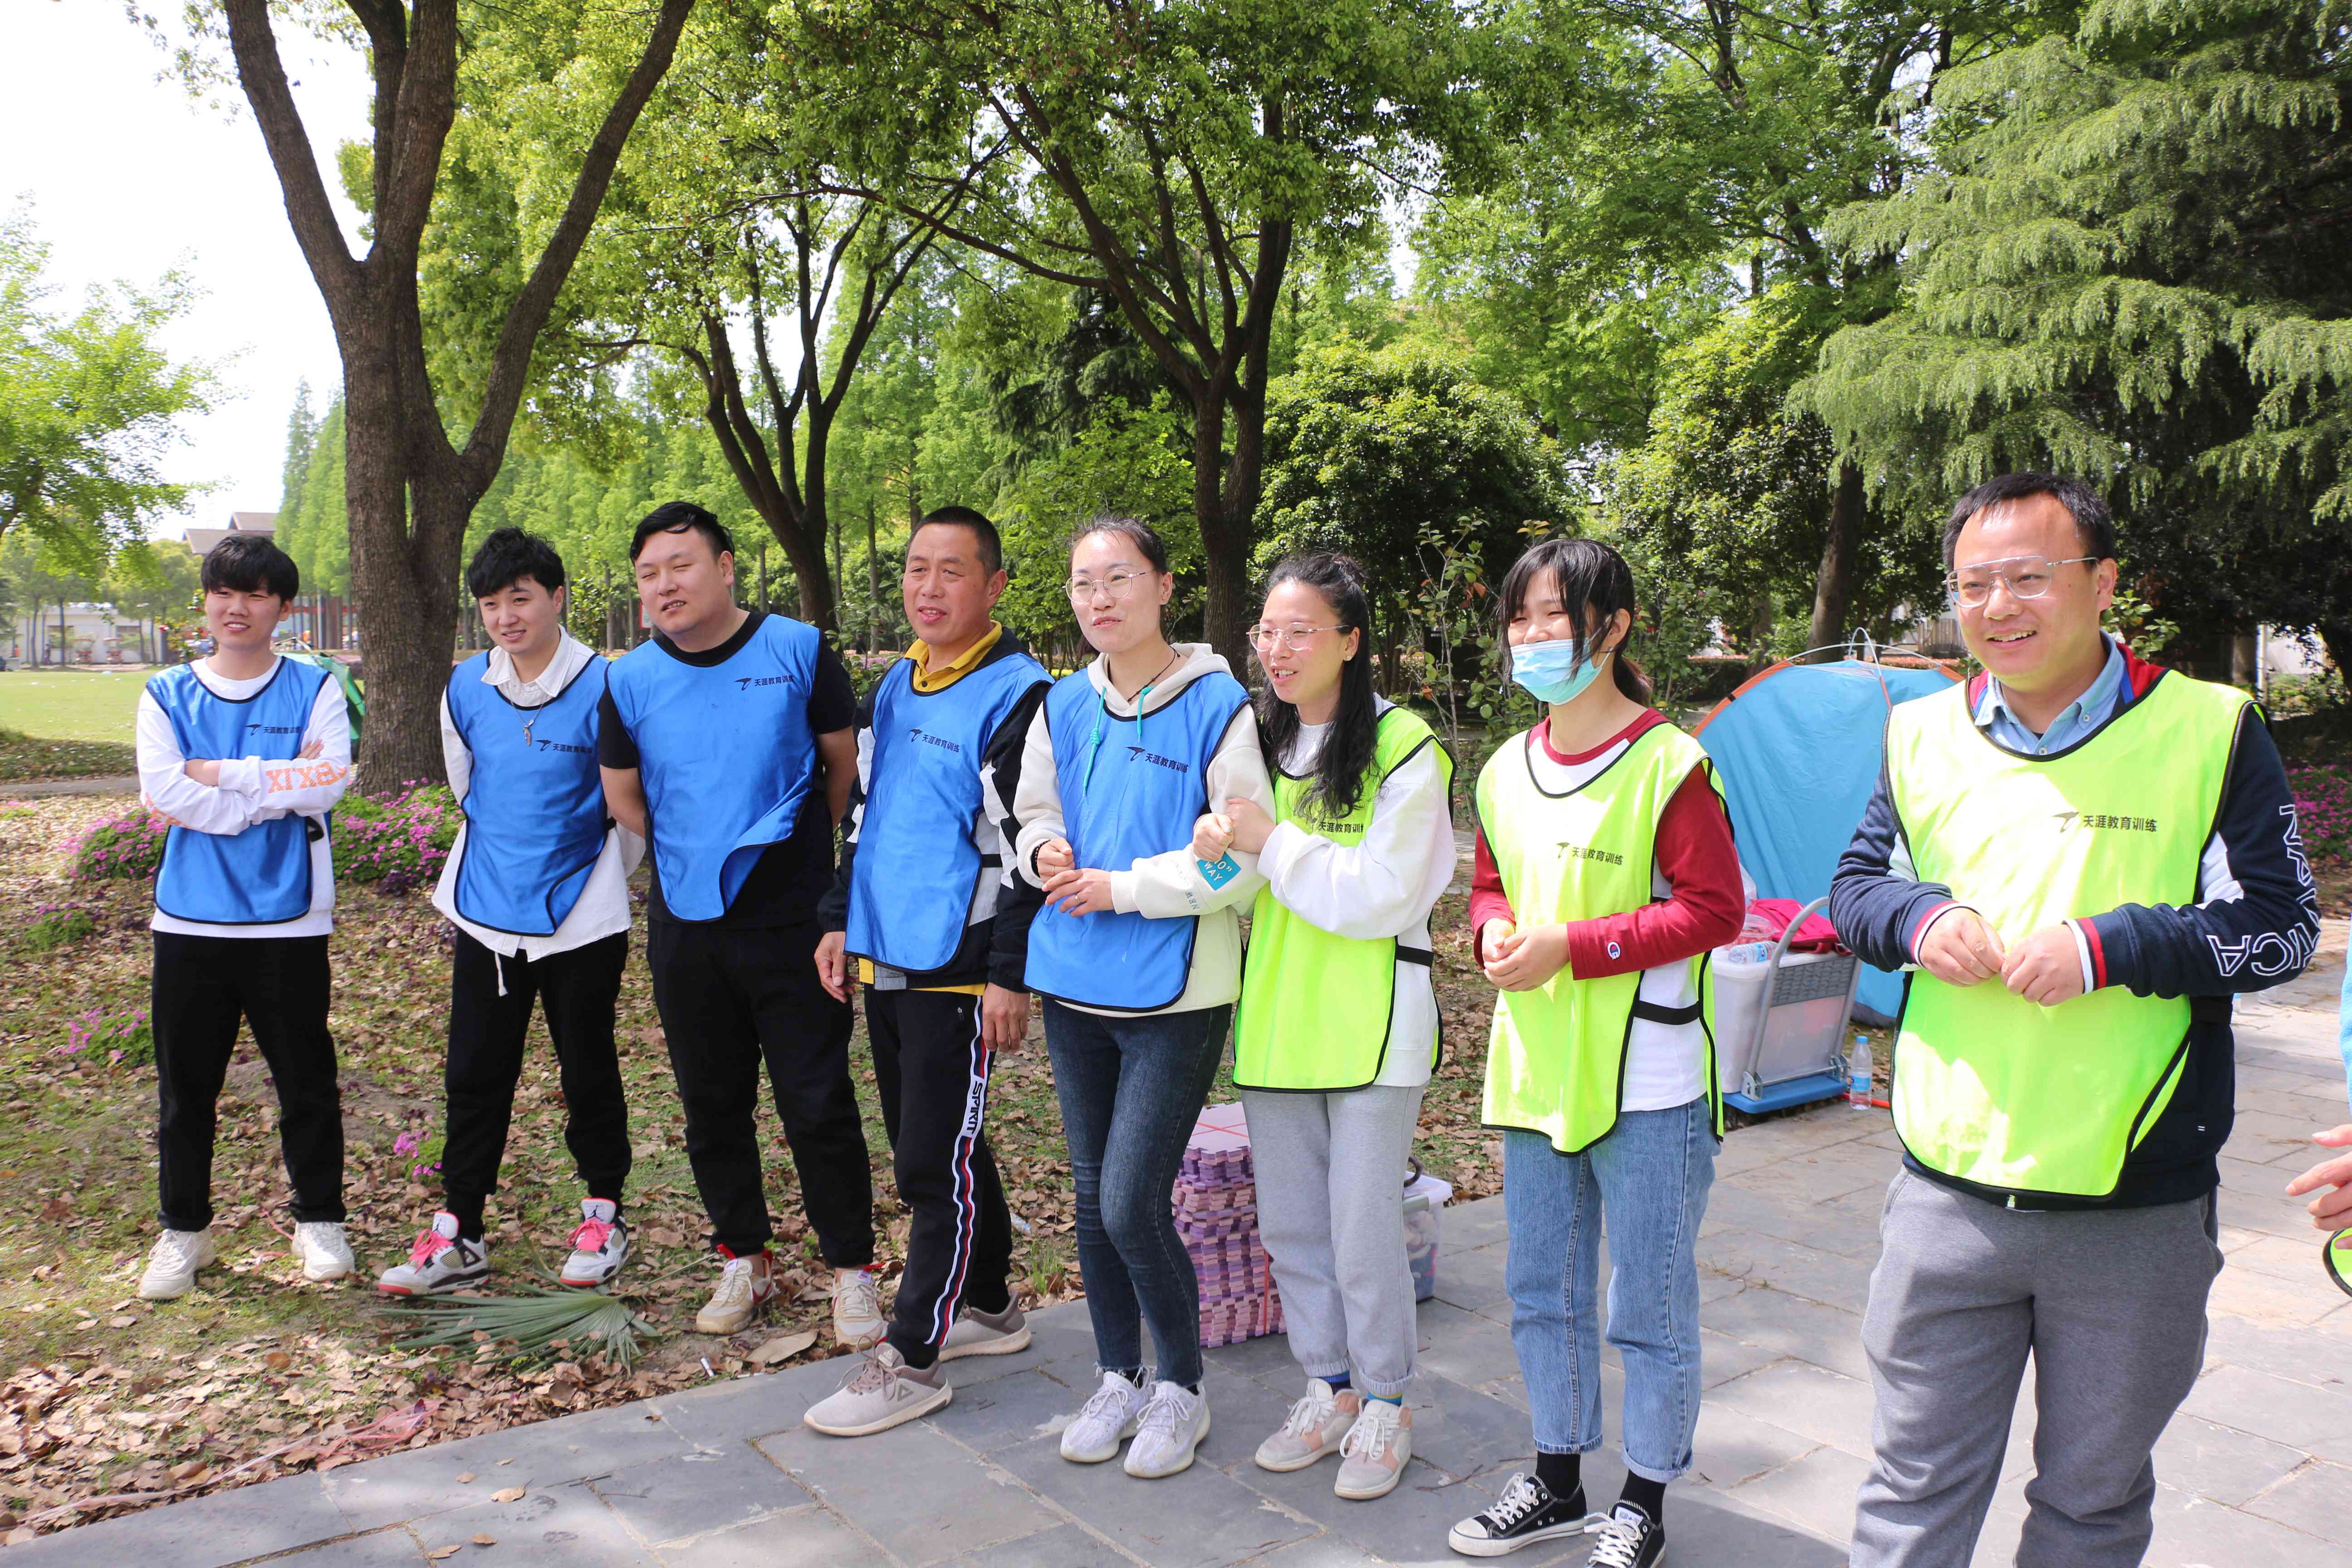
pixel 263 76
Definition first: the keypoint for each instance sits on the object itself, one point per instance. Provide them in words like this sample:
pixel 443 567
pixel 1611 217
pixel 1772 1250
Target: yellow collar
pixel 930 680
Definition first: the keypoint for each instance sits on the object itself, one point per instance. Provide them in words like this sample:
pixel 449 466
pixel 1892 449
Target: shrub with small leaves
pixel 123 1039
pixel 397 842
pixel 2323 811
pixel 131 845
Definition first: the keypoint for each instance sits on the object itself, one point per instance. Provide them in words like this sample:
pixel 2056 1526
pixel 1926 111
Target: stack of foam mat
pixel 1215 1204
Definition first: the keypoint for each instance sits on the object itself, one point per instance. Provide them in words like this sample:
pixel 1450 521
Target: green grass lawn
pixel 71 704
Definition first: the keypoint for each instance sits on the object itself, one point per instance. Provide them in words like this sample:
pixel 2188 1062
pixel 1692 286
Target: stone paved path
pixel 2257 1468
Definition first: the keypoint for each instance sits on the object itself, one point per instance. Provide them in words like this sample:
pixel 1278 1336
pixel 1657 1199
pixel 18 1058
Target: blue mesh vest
pixel 918 870
pixel 1130 788
pixel 261 876
pixel 534 810
pixel 726 756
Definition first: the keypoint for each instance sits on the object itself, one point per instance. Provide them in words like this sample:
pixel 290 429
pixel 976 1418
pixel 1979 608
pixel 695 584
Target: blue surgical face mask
pixel 1552 671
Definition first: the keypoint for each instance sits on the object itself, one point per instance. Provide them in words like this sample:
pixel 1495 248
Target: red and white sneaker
pixel 439 1262
pixel 599 1247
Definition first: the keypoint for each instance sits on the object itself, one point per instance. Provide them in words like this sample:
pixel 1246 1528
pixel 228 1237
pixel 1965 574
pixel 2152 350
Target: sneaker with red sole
pixel 439 1262
pixel 599 1245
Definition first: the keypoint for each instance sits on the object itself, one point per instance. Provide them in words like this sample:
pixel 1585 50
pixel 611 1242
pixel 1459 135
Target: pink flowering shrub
pixel 129 846
pixel 119 1037
pixel 397 842
pixel 2322 808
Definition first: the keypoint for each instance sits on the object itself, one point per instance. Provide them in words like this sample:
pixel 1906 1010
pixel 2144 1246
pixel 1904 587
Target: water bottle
pixel 1857 1092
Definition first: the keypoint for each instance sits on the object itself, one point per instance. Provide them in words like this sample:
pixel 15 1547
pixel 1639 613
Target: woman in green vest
pixel 1336 1029
pixel 1603 874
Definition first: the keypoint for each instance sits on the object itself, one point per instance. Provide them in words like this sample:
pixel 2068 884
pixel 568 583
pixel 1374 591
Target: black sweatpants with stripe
pixel 933 1071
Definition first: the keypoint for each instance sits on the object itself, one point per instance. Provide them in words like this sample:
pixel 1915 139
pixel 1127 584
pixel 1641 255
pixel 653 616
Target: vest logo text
pixel 1138 754
pixel 914 734
pixel 744 682
pixel 1588 852
pixel 2102 821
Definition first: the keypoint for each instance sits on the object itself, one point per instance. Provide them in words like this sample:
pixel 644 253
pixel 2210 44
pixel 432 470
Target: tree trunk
pixel 1225 538
pixel 1833 585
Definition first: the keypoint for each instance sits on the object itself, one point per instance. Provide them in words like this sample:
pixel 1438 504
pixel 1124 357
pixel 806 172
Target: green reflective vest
pixel 1990 1088
pixel 1556 1059
pixel 1315 1008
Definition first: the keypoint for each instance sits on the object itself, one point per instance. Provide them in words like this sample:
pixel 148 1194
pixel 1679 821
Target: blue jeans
pixel 1649 1179
pixel 1132 1090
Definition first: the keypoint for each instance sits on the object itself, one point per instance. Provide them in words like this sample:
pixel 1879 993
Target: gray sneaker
pixel 880 1392
pixel 986 1333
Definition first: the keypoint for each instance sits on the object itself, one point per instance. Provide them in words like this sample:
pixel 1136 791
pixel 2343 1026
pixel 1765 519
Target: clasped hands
pixel 2045 967
pixel 1242 824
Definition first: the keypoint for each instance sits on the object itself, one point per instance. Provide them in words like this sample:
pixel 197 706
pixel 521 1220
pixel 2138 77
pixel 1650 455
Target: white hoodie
pixel 1166 886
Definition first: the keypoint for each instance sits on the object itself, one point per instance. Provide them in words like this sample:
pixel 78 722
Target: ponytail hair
pixel 1348 751
pixel 1594 580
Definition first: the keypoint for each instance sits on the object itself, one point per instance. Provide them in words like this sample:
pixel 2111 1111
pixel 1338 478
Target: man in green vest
pixel 2081 857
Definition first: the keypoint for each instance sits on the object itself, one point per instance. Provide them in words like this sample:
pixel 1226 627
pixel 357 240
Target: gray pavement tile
pixel 2253 1210
pixel 1479 1223
pixel 201 1533
pixel 563 1524
pixel 1197 1519
pixel 1472 1277
pixel 1714 1287
pixel 390 1548
pixel 1267 1355
pixel 1722 1357
pixel 1463 1346
pixel 805 1537
pixel 2316 1499
pixel 1810 1272
pixel 1242 1412
pixel 697 1492
pixel 1511 1391
pixel 1826 1336
pixel 1410 1522
pixel 1816 1491
pixel 2315 1420
pixel 2297 1262
pixel 1063 1546
pixel 1702 1527
pixel 2281 1352
pixel 1731 1447
pixel 423 1481
pixel 963 1505
pixel 2272 1302
pixel 1808 1400
pixel 1318 1552
pixel 1810 1176
pixel 735 1408
pixel 1462 1431
pixel 1002 1411
pixel 2191 1532
pixel 1997 1541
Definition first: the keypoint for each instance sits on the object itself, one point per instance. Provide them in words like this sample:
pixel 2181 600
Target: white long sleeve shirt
pixel 1384 887
pixel 251 790
pixel 1166 886
pixel 603 906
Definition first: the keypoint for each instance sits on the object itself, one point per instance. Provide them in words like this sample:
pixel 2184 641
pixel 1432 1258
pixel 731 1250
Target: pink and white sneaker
pixel 599 1247
pixel 438 1263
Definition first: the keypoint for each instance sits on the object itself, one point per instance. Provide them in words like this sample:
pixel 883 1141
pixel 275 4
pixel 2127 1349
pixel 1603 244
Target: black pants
pixel 728 997
pixel 578 991
pixel 201 986
pixel 933 1072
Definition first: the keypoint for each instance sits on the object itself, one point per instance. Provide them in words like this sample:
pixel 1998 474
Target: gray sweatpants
pixel 2111 1302
pixel 1330 1207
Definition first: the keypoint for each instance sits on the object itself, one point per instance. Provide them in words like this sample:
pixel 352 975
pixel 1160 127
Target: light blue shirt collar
pixel 2075 723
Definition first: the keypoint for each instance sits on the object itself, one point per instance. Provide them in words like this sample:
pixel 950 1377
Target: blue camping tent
pixel 1799 747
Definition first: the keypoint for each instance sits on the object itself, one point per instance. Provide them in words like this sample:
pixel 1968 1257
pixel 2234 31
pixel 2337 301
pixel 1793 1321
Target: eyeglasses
pixel 1295 639
pixel 1118 586
pixel 2025 577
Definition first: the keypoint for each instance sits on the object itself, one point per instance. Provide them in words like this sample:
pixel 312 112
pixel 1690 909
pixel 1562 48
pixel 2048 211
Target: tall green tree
pixel 89 405
pixel 425 431
pixel 2132 265
pixel 1176 159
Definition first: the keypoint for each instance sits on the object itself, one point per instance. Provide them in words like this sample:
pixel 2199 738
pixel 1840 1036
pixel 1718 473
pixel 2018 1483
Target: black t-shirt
pixel 785 886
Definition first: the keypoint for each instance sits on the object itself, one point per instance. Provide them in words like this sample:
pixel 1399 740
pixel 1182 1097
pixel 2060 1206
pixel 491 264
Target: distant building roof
pixel 200 539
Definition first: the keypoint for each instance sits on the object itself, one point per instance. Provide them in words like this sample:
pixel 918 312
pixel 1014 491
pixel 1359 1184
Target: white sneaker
pixel 1107 1420
pixel 172 1266
pixel 440 1261
pixel 858 1320
pixel 745 1286
pixel 1170 1426
pixel 975 1333
pixel 325 1253
pixel 600 1245
pixel 1318 1424
pixel 1374 1455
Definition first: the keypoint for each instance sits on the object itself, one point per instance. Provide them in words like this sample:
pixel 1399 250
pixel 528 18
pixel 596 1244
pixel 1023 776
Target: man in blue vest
pixel 727 743
pixel 2082 856
pixel 925 904
pixel 537 885
pixel 245 753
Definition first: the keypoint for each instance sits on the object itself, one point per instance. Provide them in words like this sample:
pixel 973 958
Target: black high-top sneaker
pixel 1524 1514
pixel 1630 1538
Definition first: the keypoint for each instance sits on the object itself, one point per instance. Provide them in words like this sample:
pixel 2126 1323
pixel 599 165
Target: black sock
pixel 468 1217
pixel 1649 1495
pixel 922 1358
pixel 1192 1388
pixel 1133 1374
pixel 1561 1474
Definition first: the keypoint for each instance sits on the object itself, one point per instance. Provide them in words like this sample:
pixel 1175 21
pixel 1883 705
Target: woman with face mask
pixel 1604 874
pixel 1336 1029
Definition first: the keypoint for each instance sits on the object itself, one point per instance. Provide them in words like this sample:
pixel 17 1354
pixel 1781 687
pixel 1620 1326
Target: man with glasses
pixel 2082 856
